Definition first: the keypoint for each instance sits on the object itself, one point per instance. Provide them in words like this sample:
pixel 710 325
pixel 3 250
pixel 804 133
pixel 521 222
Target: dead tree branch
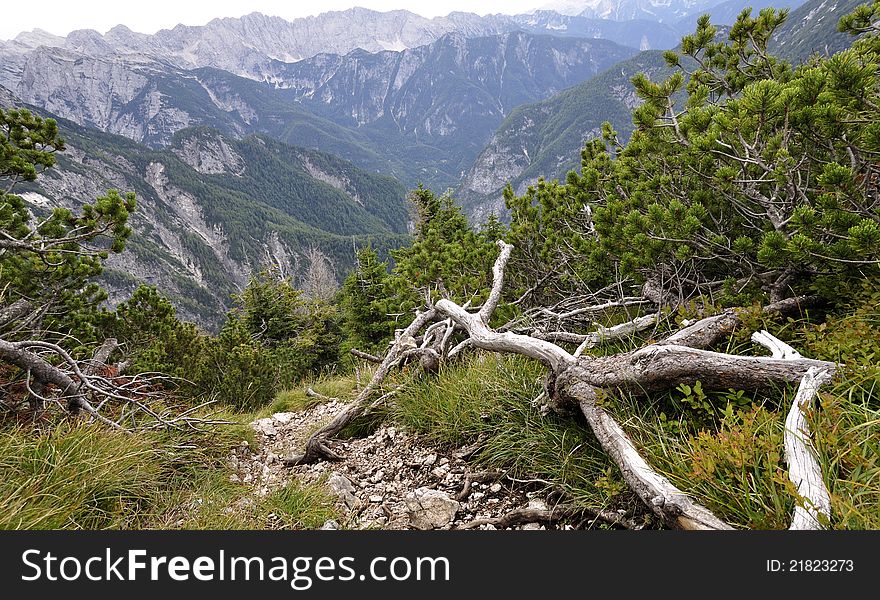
pixel 678 359
pixel 706 332
pixel 813 510
pixel 366 356
pixel 317 445
pixel 617 332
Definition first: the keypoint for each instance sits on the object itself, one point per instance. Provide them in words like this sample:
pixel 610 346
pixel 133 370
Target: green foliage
pixel 367 303
pixel 51 263
pixel 152 338
pixel 552 234
pixel 445 253
pixel 847 437
pixel 271 339
pixel 745 454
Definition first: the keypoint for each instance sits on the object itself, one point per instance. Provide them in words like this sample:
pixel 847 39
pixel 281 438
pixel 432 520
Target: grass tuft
pixel 488 399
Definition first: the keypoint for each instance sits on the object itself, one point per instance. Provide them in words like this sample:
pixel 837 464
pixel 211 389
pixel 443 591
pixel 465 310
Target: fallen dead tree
pixel 97 389
pixel 578 381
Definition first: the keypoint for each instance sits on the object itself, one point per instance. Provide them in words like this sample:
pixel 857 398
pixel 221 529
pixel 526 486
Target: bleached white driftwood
pixel 813 510
pixel 800 454
pixel 617 332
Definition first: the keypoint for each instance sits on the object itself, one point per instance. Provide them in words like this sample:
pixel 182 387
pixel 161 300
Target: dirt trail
pixel 387 480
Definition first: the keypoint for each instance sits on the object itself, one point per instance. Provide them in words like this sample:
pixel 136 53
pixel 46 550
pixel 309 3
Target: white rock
pixel 430 460
pixel 537 504
pixel 330 525
pixel 264 426
pixel 376 498
pixel 342 487
pixel 284 417
pixel 495 488
pixel 430 509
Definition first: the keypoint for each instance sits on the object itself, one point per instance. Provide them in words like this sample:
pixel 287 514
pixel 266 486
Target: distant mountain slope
pixel 434 107
pixel 544 139
pixel 812 28
pixel 421 115
pixel 211 209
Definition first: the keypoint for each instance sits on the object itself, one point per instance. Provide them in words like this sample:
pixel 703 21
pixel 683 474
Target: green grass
pixel 488 399
pixel 342 387
pixel 78 476
pixel 75 477
pixel 847 432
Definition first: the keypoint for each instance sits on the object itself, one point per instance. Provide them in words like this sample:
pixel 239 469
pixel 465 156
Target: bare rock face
pixel 430 509
pixel 210 156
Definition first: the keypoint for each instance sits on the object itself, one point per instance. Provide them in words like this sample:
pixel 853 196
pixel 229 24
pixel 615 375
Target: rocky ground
pixel 388 480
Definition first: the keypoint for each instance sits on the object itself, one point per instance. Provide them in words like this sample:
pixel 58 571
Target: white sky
pixel 148 16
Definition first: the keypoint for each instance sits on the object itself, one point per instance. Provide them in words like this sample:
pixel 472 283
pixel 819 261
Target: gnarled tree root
pixel 562 512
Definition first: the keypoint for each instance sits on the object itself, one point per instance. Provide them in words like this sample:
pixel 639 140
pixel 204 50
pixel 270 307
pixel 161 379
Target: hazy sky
pixel 63 16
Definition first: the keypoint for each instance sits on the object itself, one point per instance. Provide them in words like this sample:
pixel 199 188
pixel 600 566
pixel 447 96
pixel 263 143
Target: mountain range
pixel 544 139
pixel 259 141
pixel 212 209
pixel 419 114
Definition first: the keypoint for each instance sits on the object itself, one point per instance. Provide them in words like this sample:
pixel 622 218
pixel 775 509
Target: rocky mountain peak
pixel 38 37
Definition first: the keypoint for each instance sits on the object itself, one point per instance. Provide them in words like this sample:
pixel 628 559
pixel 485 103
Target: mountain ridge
pixel 213 209
pixel 544 139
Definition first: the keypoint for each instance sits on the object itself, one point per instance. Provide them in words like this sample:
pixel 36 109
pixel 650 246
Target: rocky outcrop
pixel 430 509
pixel 210 155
